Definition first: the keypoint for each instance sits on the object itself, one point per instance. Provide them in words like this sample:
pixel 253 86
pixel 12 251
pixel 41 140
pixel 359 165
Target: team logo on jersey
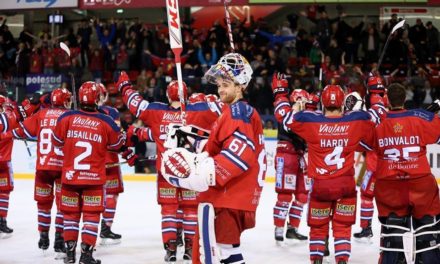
pixel 398 128
pixel 43 160
pixel 69 175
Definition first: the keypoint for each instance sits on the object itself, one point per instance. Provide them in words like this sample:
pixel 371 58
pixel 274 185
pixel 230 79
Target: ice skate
pixel 187 255
pixel 87 255
pixel 43 243
pixel 5 231
pixel 59 247
pixel 292 233
pixel 170 252
pixel 107 236
pixel 279 235
pixel 70 252
pixel 364 235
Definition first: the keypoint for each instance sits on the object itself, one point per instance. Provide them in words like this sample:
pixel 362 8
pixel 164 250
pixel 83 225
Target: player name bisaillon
pixel 392 141
pixel 84 135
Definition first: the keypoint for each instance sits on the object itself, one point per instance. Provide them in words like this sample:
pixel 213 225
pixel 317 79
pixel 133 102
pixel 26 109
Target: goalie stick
pixel 395 28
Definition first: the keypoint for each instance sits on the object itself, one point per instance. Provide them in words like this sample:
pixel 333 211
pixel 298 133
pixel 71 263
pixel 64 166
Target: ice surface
pixel 138 221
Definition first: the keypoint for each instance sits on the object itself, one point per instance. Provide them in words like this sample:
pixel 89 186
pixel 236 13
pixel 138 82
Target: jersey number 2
pixel 87 152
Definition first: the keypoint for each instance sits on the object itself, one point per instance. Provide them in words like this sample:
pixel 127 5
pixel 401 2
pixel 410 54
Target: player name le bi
pixel 393 141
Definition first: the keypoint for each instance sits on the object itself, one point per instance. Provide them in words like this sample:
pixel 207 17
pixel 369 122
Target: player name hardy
pixel 392 141
pixel 330 143
pixel 87 122
pixel 84 135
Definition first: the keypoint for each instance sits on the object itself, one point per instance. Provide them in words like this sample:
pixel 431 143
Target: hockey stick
pixel 116 164
pixel 176 45
pixel 396 27
pixel 66 49
pixel 228 23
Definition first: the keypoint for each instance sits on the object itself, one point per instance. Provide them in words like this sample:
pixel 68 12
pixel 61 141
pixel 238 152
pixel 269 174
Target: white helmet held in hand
pixel 231 66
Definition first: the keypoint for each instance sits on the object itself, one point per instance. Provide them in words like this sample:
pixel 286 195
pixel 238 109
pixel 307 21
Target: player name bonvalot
pixel 85 122
pixel 392 141
pixel 84 135
pixel 325 128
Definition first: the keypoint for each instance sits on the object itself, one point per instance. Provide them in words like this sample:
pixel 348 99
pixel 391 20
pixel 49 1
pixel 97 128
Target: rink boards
pixel 24 166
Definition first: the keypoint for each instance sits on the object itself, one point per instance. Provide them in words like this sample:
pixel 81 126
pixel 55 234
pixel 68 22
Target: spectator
pixel 96 65
pixel 208 59
pixel 106 35
pixel 84 32
pixel 432 39
pixel 370 44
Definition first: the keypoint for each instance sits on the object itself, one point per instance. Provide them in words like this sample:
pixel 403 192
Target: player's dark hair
pixel 332 108
pixel 88 108
pixel 396 95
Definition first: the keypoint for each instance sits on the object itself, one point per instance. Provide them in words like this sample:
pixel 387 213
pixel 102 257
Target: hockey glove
pixel 196 136
pixel 123 83
pixel 191 171
pixel 172 140
pixel 279 85
pixel 434 107
pixel 132 138
pixel 130 156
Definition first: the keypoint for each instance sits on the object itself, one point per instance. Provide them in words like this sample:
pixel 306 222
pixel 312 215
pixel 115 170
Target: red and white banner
pixel 99 4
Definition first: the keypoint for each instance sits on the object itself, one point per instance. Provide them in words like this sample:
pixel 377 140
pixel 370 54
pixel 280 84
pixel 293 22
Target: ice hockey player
pixel 406 192
pixel 290 167
pixel 114 185
pixel 85 136
pixel 158 117
pixel 230 174
pixel 332 138
pixel 49 165
pixel 8 121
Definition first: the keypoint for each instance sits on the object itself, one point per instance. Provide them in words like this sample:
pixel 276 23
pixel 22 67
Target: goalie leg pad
pixel 427 234
pixel 394 238
pixel 231 254
pixel 209 253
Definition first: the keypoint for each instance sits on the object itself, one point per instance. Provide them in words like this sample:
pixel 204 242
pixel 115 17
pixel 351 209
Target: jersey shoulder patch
pixel 241 111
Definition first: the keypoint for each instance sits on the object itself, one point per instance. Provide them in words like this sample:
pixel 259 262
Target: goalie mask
pixel 231 66
pixel 353 102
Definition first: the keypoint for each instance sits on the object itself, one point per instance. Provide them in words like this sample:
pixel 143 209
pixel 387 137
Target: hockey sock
pixel 89 231
pixel 189 225
pixel 59 222
pixel 280 213
pixel 71 226
pixel 179 217
pixel 367 210
pixel 316 247
pixel 295 213
pixel 4 204
pixel 108 215
pixel 44 217
pixel 342 248
pixel 169 222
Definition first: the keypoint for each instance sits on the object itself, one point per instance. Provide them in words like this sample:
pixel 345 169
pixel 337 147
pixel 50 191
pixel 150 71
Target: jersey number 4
pixel 334 158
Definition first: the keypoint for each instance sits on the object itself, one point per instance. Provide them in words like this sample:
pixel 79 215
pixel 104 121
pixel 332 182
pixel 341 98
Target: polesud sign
pixel 35 4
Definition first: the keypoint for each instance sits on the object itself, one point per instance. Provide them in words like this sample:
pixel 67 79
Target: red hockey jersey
pixel 157 116
pixel 86 137
pixel 8 121
pixel 237 145
pixel 111 157
pixel 41 126
pixel 331 141
pixel 400 142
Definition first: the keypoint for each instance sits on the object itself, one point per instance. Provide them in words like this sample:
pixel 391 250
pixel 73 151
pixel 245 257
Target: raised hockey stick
pixel 66 49
pixel 116 164
pixel 175 33
pixel 396 27
pixel 228 23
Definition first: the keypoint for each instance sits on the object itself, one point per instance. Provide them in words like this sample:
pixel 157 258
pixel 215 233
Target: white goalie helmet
pixel 353 102
pixel 231 66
